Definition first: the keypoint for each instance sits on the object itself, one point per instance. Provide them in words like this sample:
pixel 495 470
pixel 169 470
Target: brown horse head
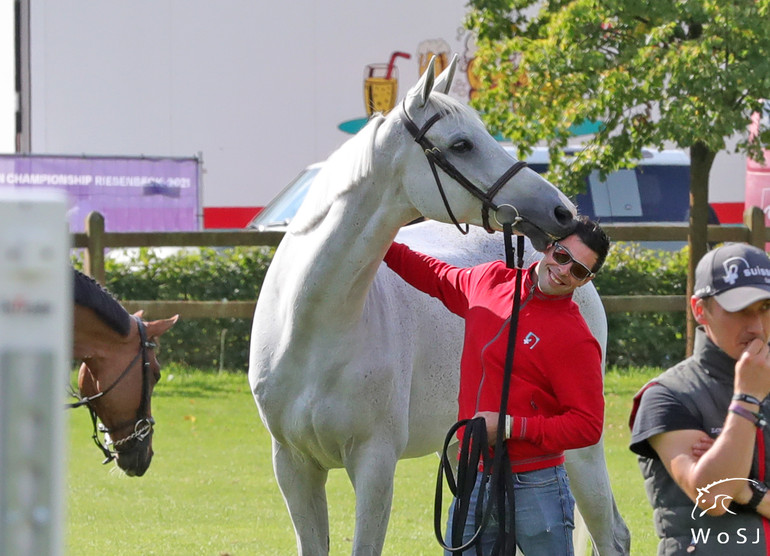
pixel 117 377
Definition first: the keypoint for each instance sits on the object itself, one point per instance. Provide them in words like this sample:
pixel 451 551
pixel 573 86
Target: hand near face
pixel 752 372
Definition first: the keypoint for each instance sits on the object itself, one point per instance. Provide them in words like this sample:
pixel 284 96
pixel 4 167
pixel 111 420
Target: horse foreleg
pixel 303 485
pixel 372 471
pixel 590 484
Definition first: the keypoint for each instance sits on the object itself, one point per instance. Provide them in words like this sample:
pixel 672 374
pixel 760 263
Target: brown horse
pixel 118 373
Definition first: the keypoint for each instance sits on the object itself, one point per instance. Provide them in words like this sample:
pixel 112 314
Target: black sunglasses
pixel 562 256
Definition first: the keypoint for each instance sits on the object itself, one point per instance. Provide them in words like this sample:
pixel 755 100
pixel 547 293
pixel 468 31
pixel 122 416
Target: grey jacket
pixel 703 386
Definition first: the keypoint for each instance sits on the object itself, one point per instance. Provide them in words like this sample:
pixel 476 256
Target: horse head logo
pixel 720 499
pixel 732 266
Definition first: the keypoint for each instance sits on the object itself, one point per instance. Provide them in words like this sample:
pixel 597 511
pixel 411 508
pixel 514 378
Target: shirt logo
pixel 531 338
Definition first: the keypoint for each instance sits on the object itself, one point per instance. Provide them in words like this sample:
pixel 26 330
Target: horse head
pixel 117 378
pixel 476 169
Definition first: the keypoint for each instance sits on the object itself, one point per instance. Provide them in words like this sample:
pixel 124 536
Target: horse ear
pixel 422 89
pixel 158 327
pixel 444 81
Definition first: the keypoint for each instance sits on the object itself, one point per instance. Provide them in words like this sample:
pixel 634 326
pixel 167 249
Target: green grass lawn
pixel 210 489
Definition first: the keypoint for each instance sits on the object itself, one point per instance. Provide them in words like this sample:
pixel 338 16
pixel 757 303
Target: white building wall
pixel 258 88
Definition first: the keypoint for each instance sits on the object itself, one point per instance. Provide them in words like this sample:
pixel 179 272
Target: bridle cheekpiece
pixel 437 158
pixel 143 426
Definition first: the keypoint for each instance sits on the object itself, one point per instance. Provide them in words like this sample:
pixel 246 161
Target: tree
pixel 686 72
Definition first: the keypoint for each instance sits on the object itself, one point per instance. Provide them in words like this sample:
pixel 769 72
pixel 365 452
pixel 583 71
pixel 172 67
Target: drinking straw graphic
pixel 393 61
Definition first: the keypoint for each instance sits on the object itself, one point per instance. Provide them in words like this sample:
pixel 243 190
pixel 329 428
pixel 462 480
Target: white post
pixel 35 355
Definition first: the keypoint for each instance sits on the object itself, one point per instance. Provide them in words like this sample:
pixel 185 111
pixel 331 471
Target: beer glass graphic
pixel 428 49
pixel 381 85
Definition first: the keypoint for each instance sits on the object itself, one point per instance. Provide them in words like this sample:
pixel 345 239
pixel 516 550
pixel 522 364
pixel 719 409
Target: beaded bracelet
pixel 748 398
pixel 756 418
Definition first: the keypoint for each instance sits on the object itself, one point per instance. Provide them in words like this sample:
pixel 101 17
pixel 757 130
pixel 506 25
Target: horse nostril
pixel 564 216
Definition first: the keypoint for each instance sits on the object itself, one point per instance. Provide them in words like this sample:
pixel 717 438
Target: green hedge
pixel 644 339
pixel 195 274
pixel 638 339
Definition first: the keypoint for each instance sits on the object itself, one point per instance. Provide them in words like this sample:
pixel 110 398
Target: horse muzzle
pixel 136 459
pixel 509 214
pixel 134 452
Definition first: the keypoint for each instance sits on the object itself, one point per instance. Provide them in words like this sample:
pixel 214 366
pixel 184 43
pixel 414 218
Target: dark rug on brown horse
pixel 89 293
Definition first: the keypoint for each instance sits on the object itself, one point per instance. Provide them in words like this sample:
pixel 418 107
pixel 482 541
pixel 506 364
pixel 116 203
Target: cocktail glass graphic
pixel 381 85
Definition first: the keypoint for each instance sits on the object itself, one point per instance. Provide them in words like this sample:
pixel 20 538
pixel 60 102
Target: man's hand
pixel 701 446
pixel 752 371
pixel 491 418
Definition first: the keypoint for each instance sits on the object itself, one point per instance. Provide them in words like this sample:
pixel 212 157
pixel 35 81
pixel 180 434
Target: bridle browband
pixel 437 158
pixel 143 426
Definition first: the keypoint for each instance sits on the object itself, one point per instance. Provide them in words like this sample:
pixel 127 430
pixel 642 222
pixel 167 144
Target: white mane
pixel 343 170
pixel 350 164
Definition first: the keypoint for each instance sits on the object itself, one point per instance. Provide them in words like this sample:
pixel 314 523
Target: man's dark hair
pixel 592 235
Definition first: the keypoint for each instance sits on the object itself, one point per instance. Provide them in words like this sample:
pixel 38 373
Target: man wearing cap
pixel 699 429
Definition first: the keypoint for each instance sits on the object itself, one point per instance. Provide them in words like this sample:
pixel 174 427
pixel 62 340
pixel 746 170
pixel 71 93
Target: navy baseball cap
pixel 735 274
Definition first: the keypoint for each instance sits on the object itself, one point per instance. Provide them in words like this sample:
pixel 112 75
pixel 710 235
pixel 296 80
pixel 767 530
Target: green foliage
pixel 688 73
pixel 204 274
pixel 637 339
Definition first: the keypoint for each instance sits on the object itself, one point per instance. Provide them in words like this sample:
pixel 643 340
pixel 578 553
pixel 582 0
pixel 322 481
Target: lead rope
pixel 474 450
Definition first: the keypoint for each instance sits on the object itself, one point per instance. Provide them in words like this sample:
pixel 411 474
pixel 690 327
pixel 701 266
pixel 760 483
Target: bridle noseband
pixel 437 158
pixel 143 426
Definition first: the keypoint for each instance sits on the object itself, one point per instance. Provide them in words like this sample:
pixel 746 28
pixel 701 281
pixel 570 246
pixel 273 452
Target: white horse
pixel 360 371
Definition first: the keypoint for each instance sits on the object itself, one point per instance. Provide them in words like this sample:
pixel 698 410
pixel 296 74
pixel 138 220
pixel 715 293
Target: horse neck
pixel 334 266
pixel 95 341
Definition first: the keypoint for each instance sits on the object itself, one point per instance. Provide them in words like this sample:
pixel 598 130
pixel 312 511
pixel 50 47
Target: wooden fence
pixel 95 240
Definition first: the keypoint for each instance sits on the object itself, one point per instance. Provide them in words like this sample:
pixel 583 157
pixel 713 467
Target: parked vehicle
pixel 279 212
pixel 656 190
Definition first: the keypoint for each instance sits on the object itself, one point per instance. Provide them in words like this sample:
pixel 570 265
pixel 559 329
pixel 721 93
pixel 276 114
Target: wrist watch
pixel 759 490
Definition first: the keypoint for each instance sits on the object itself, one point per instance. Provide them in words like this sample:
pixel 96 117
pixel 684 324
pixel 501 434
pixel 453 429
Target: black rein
pixel 475 453
pixel 437 158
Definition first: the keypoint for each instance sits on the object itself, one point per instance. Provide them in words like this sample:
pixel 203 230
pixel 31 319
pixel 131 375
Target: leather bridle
pixel 437 158
pixel 143 425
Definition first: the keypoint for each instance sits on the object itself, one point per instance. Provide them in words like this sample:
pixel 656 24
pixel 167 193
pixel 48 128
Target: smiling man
pixel 556 398
pixel 699 429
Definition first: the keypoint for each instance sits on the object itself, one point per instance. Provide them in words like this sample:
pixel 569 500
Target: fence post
pixel 754 219
pixel 93 263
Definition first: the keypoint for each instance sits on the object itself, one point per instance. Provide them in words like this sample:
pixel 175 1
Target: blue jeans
pixel 544 515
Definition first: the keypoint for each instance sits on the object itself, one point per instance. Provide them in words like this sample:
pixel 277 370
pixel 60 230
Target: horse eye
pixel 462 146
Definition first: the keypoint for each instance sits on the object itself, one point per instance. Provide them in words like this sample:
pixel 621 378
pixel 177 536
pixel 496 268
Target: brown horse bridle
pixel 143 426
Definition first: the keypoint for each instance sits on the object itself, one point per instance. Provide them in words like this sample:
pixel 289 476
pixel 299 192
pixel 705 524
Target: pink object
pixel 393 61
pixel 758 179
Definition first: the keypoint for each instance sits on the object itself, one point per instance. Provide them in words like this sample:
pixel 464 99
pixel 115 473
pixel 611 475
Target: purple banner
pixel 133 194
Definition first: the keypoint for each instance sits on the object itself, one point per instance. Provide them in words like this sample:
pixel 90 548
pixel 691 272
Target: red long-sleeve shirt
pixel 556 394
